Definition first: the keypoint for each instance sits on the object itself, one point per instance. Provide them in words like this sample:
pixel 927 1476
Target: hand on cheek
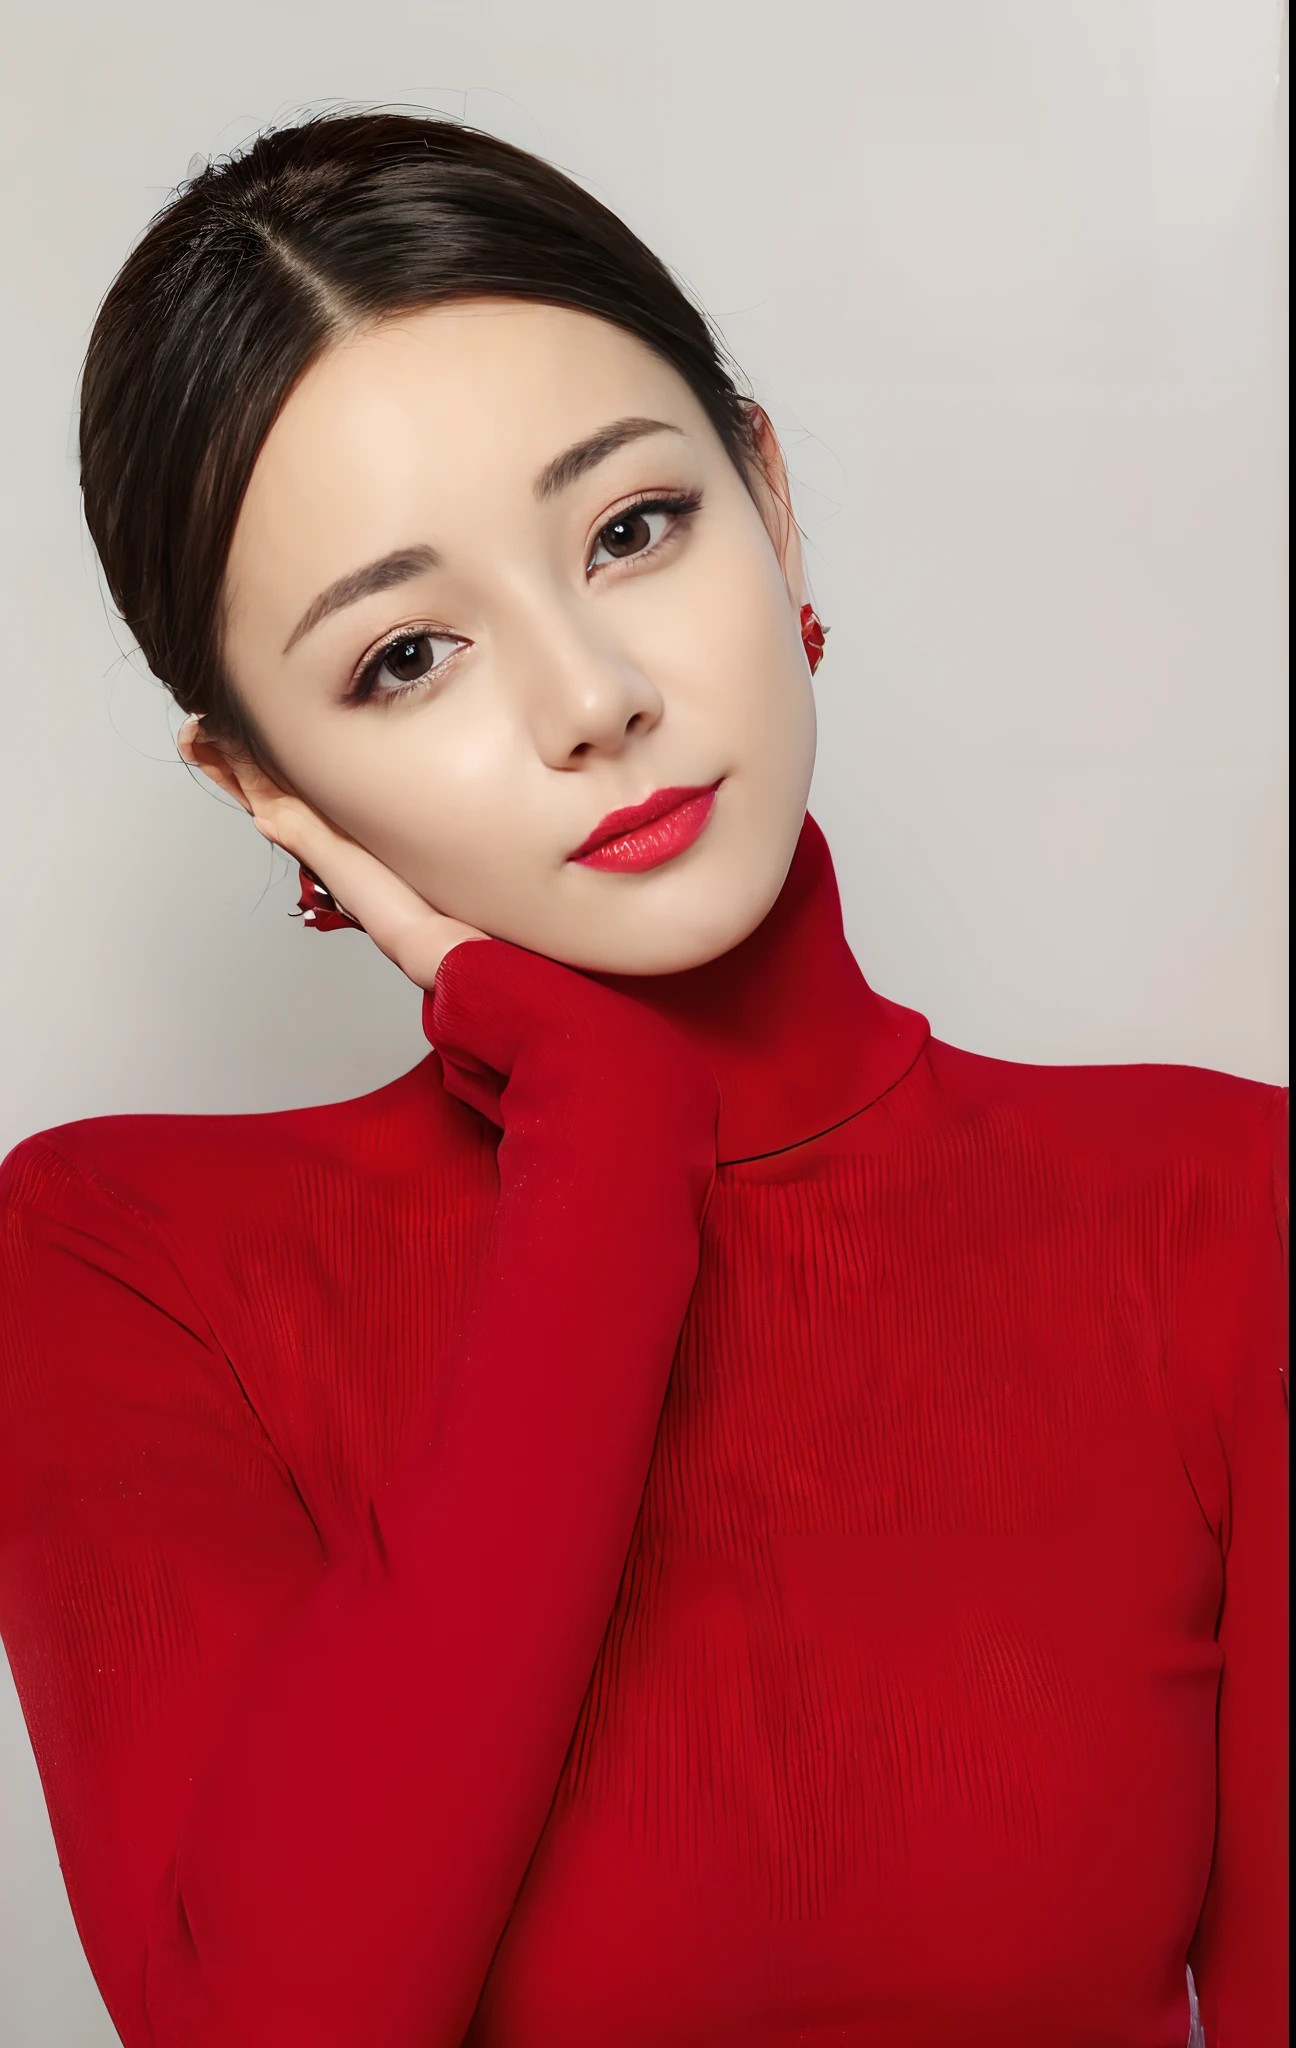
pixel 398 920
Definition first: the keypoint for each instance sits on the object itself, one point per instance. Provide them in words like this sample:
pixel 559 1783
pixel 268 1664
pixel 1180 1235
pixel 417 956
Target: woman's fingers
pixel 398 920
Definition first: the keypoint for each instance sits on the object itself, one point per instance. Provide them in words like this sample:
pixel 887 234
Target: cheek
pixel 750 674
pixel 741 633
pixel 437 794
pixel 370 777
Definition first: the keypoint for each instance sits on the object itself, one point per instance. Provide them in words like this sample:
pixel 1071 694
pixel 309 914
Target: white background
pixel 1007 274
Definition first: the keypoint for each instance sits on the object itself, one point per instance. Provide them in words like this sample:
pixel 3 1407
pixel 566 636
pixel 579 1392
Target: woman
pixel 700 1514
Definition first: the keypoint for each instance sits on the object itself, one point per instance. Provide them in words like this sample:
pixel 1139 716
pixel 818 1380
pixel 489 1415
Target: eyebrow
pixel 384 574
pixel 403 564
pixel 595 448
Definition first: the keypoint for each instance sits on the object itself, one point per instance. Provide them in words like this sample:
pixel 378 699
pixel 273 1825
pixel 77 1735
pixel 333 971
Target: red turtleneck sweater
pixel 558 1591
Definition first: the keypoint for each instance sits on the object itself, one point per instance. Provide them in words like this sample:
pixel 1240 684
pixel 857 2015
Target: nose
pixel 586 698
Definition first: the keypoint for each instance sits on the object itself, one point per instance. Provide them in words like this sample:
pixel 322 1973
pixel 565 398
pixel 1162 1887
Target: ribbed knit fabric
pixel 785 1545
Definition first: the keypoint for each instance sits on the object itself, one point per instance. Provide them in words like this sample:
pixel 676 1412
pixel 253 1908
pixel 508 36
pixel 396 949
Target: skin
pixel 572 678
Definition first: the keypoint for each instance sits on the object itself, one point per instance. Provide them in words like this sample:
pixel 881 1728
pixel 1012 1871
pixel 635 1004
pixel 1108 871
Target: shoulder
pixel 1129 1121
pixel 1170 1181
pixel 1184 1168
pixel 189 1172
pixel 230 1227
pixel 143 1257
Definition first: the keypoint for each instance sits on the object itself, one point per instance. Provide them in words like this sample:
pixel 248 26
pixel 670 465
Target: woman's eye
pixel 631 533
pixel 409 660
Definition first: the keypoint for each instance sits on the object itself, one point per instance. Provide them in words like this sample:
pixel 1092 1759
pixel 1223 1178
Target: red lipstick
pixel 644 835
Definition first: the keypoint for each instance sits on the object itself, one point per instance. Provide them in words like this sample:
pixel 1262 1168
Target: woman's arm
pixel 1240 1954
pixel 299 1807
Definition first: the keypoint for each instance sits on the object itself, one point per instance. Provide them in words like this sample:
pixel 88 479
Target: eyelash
pixel 681 505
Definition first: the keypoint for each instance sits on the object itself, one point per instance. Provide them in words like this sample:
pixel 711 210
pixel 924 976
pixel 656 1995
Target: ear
pixel 231 772
pixel 774 498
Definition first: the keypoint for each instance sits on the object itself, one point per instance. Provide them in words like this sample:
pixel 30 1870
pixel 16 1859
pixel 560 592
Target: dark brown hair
pixel 246 277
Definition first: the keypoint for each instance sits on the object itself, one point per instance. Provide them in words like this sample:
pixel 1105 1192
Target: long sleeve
pixel 1239 1956
pixel 789 1541
pixel 302 1811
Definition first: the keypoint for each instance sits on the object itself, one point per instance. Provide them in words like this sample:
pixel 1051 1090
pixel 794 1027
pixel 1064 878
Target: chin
pixel 704 916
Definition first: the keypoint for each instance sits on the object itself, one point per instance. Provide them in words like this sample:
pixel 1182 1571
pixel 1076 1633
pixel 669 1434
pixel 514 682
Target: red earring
pixel 320 912
pixel 812 636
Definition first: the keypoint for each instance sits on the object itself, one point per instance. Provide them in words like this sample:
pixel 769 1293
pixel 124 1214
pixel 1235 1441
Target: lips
pixel 644 835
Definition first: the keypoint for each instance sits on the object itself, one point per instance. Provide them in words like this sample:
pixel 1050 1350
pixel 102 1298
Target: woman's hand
pixel 398 920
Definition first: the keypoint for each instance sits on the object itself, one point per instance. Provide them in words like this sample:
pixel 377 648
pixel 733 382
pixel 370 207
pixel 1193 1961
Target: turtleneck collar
pixel 797 1039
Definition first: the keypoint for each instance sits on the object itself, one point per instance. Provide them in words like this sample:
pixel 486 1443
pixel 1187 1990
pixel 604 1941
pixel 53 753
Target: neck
pixel 797 1039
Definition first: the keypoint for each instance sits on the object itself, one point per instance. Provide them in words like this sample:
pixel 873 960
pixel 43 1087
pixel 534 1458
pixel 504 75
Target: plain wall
pixel 1007 274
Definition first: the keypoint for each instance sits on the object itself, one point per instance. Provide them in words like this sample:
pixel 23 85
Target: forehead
pixel 492 386
pixel 432 428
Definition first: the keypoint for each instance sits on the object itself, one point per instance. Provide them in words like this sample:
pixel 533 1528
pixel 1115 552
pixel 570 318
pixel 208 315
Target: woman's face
pixel 495 580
